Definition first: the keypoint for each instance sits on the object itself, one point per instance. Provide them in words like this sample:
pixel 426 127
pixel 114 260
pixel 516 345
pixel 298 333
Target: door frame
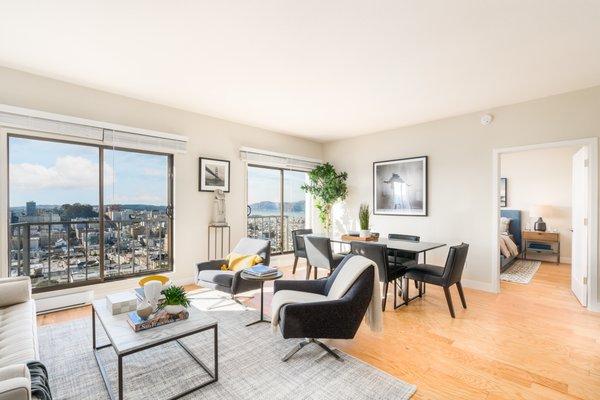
pixel 593 273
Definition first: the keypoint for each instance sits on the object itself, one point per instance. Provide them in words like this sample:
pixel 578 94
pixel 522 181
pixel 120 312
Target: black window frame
pixel 101 148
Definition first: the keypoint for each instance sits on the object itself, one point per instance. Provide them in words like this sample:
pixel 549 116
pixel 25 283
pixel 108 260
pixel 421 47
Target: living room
pixel 126 155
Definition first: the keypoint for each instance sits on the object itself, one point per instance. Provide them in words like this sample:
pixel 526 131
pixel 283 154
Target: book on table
pixel 261 270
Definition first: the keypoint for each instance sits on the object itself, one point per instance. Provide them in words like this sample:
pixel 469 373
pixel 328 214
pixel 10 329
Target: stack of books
pixel 261 271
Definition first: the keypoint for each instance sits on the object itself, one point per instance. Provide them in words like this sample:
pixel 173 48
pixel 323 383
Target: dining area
pixel 401 261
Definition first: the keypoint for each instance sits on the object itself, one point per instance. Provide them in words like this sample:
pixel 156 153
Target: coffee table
pixel 125 341
pixel 262 280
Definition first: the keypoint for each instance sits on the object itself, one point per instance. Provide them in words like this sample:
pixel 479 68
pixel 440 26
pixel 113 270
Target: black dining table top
pixel 397 244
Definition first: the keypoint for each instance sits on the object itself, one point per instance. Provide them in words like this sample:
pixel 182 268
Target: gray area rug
pixel 250 366
pixel 521 271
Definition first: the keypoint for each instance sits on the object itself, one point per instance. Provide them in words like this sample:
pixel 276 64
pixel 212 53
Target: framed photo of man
pixel 400 187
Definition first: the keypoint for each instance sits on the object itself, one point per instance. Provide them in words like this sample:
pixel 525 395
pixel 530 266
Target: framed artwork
pixel 214 174
pixel 503 196
pixel 400 187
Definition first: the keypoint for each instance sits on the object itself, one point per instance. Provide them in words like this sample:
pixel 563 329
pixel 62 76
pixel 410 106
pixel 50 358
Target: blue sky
pixel 57 173
pixel 265 185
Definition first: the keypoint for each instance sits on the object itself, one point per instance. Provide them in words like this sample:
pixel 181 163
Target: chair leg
pixel 305 342
pixel 449 301
pixel 308 268
pixel 385 292
pixel 315 272
pixel 461 294
pixel 295 264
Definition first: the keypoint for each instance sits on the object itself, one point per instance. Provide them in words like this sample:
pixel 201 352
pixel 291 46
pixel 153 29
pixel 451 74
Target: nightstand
pixel 541 243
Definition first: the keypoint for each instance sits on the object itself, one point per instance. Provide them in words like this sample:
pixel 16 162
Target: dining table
pixel 399 245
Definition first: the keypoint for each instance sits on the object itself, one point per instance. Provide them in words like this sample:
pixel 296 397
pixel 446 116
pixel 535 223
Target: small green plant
pixel 363 216
pixel 175 296
pixel 327 187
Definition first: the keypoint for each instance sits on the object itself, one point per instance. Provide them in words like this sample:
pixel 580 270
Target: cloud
pixel 68 172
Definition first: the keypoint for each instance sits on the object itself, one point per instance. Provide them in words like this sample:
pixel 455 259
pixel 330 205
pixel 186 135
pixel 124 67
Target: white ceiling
pixel 313 68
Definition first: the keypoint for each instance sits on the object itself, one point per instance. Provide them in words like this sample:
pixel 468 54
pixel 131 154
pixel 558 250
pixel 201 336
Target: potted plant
pixel 327 187
pixel 175 300
pixel 363 218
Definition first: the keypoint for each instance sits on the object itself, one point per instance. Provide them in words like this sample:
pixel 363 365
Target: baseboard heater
pixel 63 301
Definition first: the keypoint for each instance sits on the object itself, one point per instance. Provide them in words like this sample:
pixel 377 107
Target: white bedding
pixel 508 247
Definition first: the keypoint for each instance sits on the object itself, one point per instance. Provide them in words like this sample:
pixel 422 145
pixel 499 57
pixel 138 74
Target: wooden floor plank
pixel 531 341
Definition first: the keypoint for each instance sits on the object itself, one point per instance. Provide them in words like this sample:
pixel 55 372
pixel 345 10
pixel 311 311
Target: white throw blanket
pixel 350 272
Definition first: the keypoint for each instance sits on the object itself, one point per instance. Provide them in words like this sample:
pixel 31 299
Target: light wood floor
pixel 528 342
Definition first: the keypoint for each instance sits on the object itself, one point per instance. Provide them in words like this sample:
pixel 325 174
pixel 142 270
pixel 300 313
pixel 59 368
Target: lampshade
pixel 541 210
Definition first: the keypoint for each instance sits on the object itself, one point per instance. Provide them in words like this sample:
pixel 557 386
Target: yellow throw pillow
pixel 238 262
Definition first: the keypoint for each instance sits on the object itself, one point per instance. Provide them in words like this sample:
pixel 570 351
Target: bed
pixel 514 232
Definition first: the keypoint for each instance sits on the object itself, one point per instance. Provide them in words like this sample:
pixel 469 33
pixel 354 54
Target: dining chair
pixel 402 257
pixel 446 276
pixel 299 246
pixel 320 255
pixel 388 273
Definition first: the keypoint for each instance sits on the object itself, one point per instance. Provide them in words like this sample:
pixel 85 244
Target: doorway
pixel 557 225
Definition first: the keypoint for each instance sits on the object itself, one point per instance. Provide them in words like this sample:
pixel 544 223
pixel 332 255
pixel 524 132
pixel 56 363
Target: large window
pixel 276 205
pixel 82 213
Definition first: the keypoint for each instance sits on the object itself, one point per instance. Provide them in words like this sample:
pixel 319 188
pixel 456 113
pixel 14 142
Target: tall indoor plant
pixel 326 186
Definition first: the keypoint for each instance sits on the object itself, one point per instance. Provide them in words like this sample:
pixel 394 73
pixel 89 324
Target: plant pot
pixel 174 309
pixel 365 233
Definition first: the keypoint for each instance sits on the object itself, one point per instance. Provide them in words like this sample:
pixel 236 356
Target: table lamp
pixel 537 211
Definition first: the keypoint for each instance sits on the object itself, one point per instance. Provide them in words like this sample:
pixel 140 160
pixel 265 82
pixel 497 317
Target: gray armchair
pixel 211 276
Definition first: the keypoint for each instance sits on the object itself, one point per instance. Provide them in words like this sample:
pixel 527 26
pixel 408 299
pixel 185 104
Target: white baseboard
pixel 478 285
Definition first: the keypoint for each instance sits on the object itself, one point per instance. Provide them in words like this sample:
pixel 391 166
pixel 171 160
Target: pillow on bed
pixel 504 225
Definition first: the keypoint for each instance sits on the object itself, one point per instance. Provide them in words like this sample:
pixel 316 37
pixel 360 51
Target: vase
pixel 152 291
pixel 365 233
pixel 174 309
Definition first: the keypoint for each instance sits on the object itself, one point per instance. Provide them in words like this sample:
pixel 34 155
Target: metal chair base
pixel 305 342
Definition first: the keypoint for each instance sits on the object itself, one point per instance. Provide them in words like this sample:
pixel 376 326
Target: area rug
pixel 521 271
pixel 250 366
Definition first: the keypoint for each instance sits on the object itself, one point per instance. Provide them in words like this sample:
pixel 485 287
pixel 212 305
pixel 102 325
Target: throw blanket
pixel 349 273
pixel 40 387
pixel 508 248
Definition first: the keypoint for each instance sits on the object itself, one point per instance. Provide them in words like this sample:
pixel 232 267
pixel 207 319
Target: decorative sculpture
pixel 219 217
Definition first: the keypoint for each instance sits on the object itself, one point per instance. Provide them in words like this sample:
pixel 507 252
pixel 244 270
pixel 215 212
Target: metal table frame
pixel 262 281
pixel 213 374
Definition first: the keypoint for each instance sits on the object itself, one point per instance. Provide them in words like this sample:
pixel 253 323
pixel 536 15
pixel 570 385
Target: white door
pixel 579 248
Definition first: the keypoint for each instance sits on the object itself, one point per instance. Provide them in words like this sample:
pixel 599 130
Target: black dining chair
pixel 320 255
pixel 299 246
pixel 388 273
pixel 402 257
pixel 446 276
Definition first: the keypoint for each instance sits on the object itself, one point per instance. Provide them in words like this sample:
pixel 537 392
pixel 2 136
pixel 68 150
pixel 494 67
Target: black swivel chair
pixel 211 276
pixel 330 319
pixel 299 247
pixel 388 272
pixel 444 276
pixel 320 255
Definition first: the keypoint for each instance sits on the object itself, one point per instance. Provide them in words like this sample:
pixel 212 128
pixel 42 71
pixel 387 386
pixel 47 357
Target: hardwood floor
pixel 529 342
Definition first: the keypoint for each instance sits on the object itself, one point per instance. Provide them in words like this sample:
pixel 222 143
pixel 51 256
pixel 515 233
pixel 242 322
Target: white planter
pixel 174 309
pixel 365 233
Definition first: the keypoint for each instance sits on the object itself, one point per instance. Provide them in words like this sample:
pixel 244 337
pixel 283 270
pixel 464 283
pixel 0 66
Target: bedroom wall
pixel 208 136
pixel 542 177
pixel 460 169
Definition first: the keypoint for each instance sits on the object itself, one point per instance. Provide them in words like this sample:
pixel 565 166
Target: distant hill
pixel 271 207
pixel 135 207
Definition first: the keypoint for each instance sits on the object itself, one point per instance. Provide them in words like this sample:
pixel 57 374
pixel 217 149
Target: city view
pixel 55 221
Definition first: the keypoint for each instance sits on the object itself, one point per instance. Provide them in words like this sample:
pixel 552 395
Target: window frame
pixel 281 198
pixel 101 148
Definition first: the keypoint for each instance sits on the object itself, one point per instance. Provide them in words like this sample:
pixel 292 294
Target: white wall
pixel 460 168
pixel 208 136
pixel 542 177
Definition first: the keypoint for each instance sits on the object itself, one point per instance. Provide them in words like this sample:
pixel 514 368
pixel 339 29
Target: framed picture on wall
pixel 503 195
pixel 214 174
pixel 400 187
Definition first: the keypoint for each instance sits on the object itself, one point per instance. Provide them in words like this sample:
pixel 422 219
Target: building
pixel 30 209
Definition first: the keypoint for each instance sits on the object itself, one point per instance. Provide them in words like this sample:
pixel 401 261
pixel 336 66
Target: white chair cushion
pixel 18 334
